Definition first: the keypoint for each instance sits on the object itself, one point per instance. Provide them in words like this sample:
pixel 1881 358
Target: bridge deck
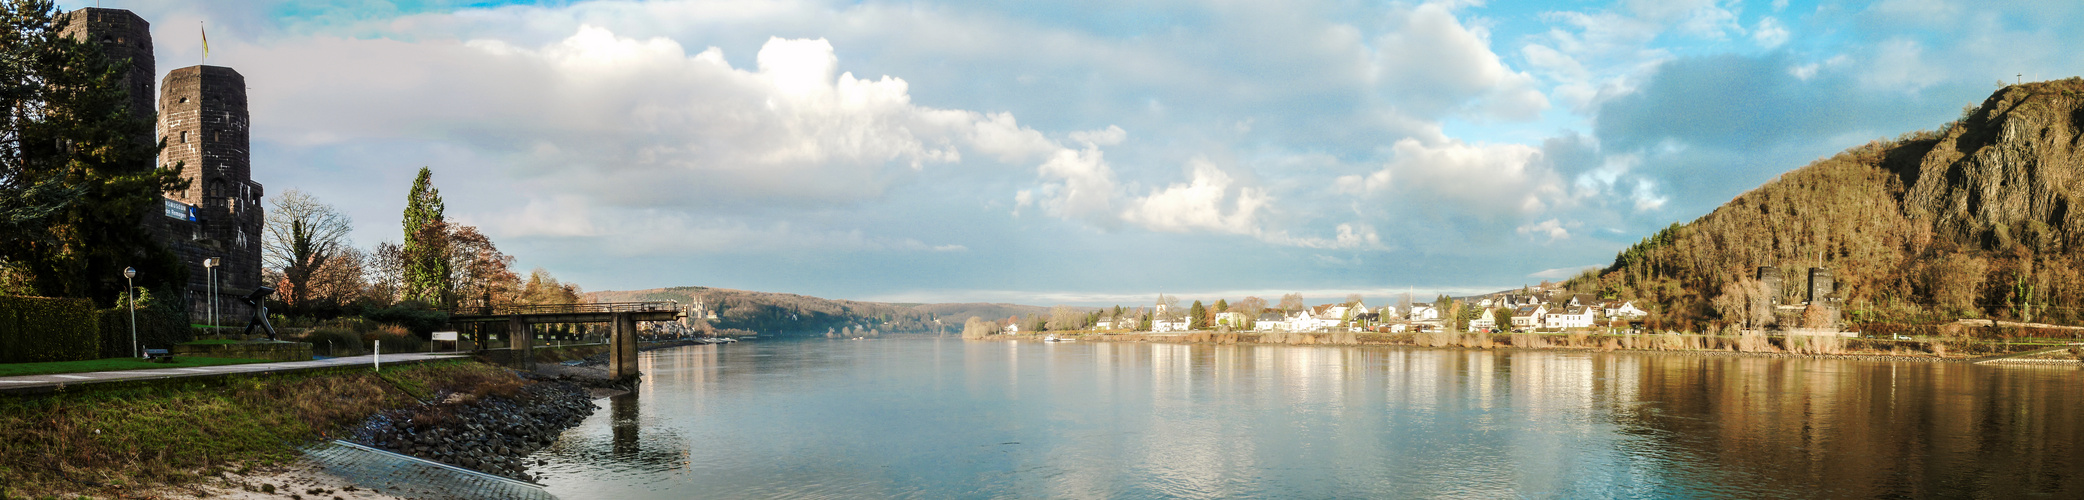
pixel 598 312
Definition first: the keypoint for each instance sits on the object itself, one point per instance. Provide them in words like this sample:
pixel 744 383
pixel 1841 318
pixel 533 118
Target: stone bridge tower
pixel 124 36
pixel 204 122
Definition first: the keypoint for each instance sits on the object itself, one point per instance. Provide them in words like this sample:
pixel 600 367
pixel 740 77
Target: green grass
pixel 211 342
pixel 114 364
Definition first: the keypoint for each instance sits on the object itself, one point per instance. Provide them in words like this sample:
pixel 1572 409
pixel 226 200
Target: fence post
pixel 376 356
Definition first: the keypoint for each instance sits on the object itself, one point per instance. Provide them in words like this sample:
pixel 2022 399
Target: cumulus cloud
pixel 642 122
pixel 1210 201
pixel 1487 179
pixel 1429 61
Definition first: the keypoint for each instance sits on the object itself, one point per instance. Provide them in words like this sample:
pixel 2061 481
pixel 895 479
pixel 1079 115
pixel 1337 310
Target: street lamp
pixel 210 265
pixel 130 295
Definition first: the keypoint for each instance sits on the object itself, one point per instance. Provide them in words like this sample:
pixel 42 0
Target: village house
pixel 1010 329
pixel 1529 317
pixel 1623 310
pixel 1569 317
pixel 1484 321
pixel 1232 319
pixel 1423 312
pixel 1271 321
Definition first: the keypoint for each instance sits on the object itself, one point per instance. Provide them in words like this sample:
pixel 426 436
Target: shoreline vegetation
pixel 189 438
pixel 1758 344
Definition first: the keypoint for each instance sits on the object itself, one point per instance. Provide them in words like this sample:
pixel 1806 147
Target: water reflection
pixel 948 418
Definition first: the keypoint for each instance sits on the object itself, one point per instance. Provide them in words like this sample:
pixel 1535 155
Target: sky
pixel 1083 152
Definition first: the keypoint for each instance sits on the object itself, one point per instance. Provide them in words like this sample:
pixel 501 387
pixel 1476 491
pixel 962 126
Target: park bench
pixel 159 355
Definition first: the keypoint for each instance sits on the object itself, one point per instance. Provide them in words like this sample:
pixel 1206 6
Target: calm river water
pixel 947 418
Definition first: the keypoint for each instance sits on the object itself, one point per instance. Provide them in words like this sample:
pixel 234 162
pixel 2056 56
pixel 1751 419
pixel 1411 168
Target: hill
pixel 1971 220
pixel 787 314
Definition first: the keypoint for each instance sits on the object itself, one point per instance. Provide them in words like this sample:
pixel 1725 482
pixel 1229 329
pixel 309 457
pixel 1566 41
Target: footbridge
pixel 622 318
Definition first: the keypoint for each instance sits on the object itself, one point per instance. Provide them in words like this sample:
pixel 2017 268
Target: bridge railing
pixel 582 308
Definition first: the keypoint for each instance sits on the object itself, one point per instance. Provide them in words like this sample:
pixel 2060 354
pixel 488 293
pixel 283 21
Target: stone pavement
pixel 408 477
pixel 40 384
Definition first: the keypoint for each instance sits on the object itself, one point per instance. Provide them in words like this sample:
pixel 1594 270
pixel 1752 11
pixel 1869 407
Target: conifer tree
pixel 77 167
pixel 426 243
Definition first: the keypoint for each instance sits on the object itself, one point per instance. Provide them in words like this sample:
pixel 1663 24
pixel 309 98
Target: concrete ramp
pixel 410 477
pixel 2035 352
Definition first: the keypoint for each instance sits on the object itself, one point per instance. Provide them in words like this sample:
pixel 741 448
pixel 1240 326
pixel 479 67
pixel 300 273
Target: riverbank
pixel 183 438
pixel 1808 346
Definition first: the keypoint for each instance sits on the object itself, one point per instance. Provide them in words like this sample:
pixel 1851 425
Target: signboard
pixel 178 210
pixel 449 336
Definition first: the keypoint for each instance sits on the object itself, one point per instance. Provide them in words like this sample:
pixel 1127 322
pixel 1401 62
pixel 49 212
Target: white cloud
pixel 1427 60
pixel 1552 228
pixel 1487 179
pixel 1562 272
pixel 1646 197
pixel 1211 201
pixel 1770 34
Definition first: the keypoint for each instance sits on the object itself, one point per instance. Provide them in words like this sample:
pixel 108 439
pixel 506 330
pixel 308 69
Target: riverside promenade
pixel 59 382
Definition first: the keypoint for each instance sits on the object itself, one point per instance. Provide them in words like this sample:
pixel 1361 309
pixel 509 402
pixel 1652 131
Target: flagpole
pixel 206 41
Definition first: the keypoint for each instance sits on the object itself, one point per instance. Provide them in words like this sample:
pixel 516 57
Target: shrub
pixel 44 329
pixel 334 341
pixel 160 323
pixel 419 320
pixel 394 341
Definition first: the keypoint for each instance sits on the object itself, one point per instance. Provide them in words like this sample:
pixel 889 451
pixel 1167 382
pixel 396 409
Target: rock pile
pixel 490 434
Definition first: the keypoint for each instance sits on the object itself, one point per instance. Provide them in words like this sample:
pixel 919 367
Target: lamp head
pixel 210 262
pixel 129 272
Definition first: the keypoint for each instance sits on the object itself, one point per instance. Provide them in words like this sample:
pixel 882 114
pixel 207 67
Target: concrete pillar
pixel 622 345
pixel 521 339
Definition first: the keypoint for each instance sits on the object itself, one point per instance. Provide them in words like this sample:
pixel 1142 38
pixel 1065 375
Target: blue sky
pixel 1084 152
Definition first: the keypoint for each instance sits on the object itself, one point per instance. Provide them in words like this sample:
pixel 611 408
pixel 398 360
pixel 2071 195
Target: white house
pixel 1271 322
pixel 1163 326
pixel 1232 319
pixel 1570 317
pixel 1529 316
pixel 1423 312
pixel 1484 320
pixel 1011 329
pixel 1624 310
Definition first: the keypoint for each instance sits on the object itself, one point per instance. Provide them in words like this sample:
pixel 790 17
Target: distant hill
pixel 1975 219
pixel 787 314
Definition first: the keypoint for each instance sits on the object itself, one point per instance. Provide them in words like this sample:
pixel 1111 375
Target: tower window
pixel 184 100
pixel 184 137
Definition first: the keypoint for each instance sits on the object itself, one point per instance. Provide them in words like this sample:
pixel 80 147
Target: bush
pixel 160 323
pixel 417 319
pixel 394 340
pixel 42 329
pixel 334 341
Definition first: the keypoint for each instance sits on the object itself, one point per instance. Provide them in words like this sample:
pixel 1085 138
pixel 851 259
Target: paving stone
pixel 409 477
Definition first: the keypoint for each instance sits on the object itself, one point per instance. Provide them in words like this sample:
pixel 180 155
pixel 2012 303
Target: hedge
pixel 160 323
pixel 37 329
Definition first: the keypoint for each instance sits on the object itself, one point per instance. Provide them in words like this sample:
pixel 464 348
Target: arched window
pixel 215 189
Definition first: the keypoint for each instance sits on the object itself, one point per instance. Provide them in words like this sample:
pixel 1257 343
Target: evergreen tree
pixel 77 167
pixel 1195 316
pixel 1222 305
pixel 426 243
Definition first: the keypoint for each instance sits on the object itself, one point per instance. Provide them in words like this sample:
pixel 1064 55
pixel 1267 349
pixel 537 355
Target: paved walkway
pixel 409 477
pixel 38 384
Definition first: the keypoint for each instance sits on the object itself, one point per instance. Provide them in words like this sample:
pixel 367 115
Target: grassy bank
pixel 110 442
pixel 115 364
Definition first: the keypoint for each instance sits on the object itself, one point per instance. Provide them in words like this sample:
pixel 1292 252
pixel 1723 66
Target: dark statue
pixel 258 299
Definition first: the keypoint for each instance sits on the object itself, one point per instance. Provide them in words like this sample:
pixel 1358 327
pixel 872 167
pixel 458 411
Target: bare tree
pixel 478 270
pixel 302 235
pixel 542 288
pixel 1064 318
pixel 1352 298
pixel 1250 306
pixel 385 270
pixel 1291 303
pixel 977 328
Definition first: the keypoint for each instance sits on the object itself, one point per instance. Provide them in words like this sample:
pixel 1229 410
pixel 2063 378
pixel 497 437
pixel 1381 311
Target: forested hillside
pixel 785 314
pixel 1971 220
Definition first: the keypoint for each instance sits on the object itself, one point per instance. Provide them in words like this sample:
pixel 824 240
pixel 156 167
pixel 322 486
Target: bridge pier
pixel 622 346
pixel 521 338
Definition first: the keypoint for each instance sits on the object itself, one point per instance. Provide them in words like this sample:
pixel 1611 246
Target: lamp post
pixel 210 265
pixel 130 295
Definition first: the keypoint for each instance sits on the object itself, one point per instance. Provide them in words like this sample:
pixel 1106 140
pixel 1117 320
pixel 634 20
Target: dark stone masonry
pixel 202 117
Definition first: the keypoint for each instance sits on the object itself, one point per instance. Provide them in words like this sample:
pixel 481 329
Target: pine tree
pixel 1195 315
pixel 426 243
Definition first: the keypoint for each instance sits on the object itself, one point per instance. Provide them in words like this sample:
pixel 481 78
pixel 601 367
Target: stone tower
pixel 1770 277
pixel 202 118
pixel 124 36
pixel 1821 286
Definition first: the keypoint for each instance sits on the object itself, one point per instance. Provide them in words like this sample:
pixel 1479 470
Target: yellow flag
pixel 206 39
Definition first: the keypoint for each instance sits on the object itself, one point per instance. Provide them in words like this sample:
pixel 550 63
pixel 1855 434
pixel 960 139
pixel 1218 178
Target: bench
pixel 159 355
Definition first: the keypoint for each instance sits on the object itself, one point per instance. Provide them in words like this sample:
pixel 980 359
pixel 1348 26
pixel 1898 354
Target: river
pixel 948 418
